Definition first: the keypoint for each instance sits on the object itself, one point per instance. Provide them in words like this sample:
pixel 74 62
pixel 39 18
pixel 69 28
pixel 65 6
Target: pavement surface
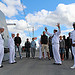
pixel 35 66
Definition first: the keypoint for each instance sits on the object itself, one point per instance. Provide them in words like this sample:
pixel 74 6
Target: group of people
pixel 30 46
pixel 13 45
pixel 55 46
pixel 58 45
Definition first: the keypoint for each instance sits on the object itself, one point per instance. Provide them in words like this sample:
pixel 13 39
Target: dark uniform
pixel 27 48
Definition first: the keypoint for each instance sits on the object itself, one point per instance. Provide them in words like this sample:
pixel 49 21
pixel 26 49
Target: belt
pixel 73 45
pixel 74 41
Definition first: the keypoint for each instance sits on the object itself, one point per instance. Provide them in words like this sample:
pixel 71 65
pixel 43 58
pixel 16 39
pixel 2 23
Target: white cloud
pixel 65 32
pixel 69 30
pixel 64 14
pixel 20 27
pixel 11 7
pixel 23 35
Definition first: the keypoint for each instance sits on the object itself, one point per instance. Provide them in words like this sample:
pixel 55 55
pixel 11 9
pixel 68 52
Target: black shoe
pixel 54 63
pixel 49 58
pixel 20 57
pixel 15 62
pixel 11 63
pixel 57 63
pixel 33 57
pixel 39 58
pixel 1 66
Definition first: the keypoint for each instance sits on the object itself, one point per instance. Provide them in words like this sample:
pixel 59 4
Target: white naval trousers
pixel 56 53
pixel 73 51
pixel 40 52
pixel 1 54
pixel 12 55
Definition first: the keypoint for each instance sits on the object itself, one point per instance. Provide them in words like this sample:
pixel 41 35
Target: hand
pixel 17 44
pixel 58 25
pixel 46 29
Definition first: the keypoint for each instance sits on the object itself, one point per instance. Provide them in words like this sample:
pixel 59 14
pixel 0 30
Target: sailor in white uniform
pixel 40 52
pixel 55 44
pixel 72 36
pixel 11 46
pixel 1 47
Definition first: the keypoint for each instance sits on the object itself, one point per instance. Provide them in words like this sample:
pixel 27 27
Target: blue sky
pixel 37 5
pixel 40 13
pixel 50 5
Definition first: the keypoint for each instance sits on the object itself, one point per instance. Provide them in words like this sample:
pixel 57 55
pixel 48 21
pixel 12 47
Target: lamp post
pixel 33 31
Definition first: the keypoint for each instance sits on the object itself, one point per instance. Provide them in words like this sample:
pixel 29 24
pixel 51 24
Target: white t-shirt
pixel 72 36
pixel 55 38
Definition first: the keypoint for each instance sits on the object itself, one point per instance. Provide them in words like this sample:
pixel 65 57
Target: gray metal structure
pixel 5 34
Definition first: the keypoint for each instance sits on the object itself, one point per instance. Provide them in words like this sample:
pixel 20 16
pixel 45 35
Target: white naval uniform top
pixel 11 43
pixel 1 43
pixel 55 39
pixel 72 36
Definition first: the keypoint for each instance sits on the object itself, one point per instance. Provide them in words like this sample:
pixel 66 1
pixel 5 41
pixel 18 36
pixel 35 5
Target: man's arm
pixel 71 38
pixel 58 25
pixel 29 45
pixel 64 43
pixel 25 44
pixel 48 32
pixel 15 41
pixel 59 30
pixel 20 40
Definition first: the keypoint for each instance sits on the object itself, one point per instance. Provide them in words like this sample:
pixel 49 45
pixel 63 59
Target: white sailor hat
pixel 55 29
pixel 1 27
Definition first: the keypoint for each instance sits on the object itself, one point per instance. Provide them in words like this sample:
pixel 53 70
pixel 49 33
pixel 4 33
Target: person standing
pixel 33 48
pixel 55 44
pixel 27 48
pixel 72 36
pixel 50 47
pixel 68 44
pixel 40 52
pixel 67 48
pixel 1 47
pixel 44 44
pixel 17 40
pixel 61 47
pixel 11 46
pixel 66 51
